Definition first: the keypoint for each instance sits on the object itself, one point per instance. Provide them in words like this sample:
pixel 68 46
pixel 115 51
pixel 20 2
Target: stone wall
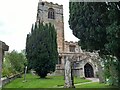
pixel 80 60
pixel 7 80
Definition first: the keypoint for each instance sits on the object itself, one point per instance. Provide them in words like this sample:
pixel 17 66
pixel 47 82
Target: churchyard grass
pixel 33 81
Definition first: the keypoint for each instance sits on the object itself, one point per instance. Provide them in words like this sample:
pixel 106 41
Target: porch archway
pixel 88 70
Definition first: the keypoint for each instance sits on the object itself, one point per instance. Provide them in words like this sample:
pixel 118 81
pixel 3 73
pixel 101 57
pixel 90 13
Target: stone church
pixel 85 62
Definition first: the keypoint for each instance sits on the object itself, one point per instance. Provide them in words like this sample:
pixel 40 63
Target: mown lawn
pixel 34 81
pixel 94 85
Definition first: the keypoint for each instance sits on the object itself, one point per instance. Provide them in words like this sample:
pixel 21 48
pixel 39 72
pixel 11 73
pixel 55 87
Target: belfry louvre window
pixel 51 13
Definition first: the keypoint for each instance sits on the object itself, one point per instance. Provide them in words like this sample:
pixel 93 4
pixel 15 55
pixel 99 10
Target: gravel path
pixel 92 80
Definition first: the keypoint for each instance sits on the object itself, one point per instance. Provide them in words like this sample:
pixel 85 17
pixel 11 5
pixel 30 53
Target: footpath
pixel 92 80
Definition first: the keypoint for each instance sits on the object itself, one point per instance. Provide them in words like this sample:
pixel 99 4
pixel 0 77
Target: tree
pixel 13 63
pixel 86 22
pixel 41 49
pixel 110 69
pixel 97 27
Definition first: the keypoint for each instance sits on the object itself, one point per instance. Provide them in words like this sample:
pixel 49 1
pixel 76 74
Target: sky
pixel 17 17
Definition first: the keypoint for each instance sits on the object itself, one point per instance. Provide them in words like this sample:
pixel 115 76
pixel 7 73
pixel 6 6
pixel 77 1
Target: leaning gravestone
pixel 68 73
pixel 3 47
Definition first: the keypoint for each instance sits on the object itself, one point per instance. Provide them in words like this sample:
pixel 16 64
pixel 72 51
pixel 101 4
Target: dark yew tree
pixel 97 25
pixel 41 49
pixel 86 21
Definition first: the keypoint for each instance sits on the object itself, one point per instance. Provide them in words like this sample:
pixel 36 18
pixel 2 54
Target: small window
pixel 59 61
pixel 43 3
pixel 51 13
pixel 72 48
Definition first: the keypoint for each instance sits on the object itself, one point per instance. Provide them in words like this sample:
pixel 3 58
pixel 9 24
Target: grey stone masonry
pixel 68 73
pixel 3 47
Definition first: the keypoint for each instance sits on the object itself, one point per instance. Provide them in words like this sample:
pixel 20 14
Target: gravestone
pixel 3 47
pixel 68 73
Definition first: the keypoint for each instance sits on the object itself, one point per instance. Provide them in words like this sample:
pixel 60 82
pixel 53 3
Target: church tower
pixel 53 13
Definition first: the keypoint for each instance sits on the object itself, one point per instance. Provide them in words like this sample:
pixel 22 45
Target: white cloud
pixel 17 16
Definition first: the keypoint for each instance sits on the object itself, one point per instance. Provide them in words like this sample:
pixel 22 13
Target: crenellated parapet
pixel 72 47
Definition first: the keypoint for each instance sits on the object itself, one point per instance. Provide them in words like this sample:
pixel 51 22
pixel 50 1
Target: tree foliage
pixel 97 25
pixel 86 21
pixel 110 69
pixel 13 63
pixel 41 49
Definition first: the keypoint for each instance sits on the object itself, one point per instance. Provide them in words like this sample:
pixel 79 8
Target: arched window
pixel 51 13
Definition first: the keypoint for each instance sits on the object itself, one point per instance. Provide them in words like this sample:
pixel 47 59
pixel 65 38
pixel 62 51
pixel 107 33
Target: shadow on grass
pixel 46 78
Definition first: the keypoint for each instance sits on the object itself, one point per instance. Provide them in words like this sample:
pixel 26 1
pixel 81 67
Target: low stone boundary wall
pixel 7 80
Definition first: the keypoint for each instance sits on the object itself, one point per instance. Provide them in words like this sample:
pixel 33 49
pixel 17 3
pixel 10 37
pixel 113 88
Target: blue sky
pixel 17 17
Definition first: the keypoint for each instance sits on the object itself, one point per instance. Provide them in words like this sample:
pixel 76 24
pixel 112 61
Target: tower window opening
pixel 51 13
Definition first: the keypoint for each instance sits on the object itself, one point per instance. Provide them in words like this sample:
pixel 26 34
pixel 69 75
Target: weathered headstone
pixel 68 73
pixel 97 59
pixel 3 47
pixel 25 74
